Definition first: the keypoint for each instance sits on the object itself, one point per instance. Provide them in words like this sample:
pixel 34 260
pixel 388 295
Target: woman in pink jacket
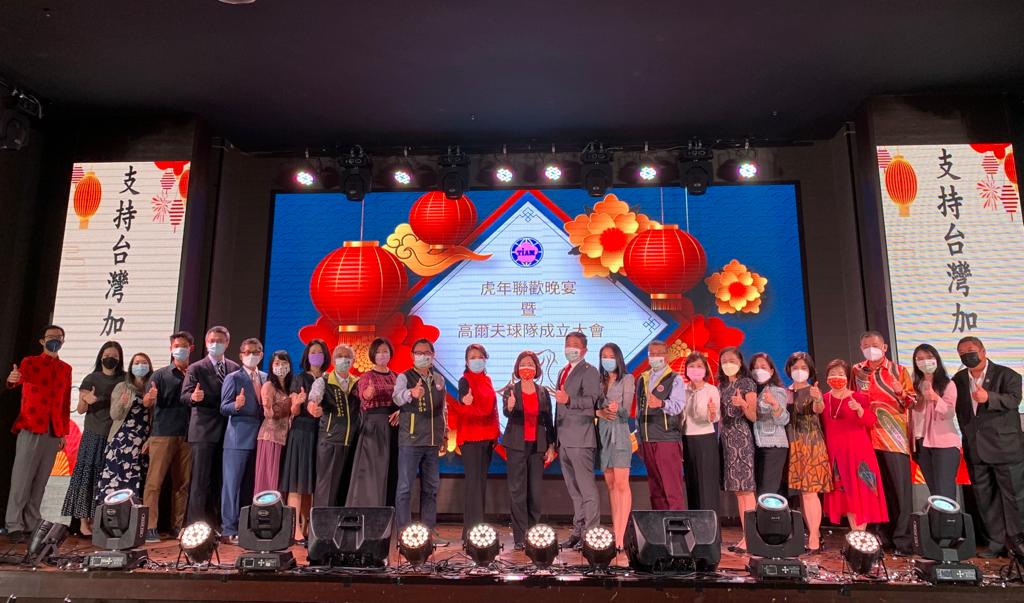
pixel 938 445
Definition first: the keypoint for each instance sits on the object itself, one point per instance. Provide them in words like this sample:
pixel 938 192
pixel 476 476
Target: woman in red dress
pixel 856 483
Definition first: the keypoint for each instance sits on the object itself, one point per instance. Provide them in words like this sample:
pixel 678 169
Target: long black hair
pixel 304 363
pixel 620 362
pixel 774 379
pixel 281 355
pixel 119 371
pixel 940 379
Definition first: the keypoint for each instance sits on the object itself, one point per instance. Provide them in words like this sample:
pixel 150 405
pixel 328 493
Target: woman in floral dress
pixel 131 406
pixel 808 458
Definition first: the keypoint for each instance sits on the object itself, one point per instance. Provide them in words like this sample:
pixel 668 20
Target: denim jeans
pixel 413 460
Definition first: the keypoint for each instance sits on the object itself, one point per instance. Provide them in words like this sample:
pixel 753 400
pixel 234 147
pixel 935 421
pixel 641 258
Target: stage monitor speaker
pixel 663 541
pixel 350 536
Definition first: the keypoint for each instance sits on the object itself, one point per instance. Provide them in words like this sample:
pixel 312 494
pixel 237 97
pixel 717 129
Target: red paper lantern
pixel 1010 168
pixel 176 213
pixel 357 285
pixel 183 184
pixel 440 221
pixel 87 198
pixel 901 184
pixel 665 262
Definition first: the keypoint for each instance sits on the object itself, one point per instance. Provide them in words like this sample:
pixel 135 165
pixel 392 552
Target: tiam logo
pixel 527 252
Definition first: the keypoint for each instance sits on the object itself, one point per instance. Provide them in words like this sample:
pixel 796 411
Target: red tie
pixel 565 375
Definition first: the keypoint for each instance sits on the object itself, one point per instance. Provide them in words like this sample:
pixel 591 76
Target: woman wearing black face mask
pixel 94 403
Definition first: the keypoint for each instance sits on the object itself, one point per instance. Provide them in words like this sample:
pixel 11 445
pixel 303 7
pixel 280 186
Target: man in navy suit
pixel 240 402
pixel 200 391
pixel 987 407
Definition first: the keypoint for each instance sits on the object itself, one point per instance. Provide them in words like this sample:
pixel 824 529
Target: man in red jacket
pixel 41 426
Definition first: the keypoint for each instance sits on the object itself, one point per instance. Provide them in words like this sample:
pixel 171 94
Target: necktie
pixel 565 375
pixel 220 369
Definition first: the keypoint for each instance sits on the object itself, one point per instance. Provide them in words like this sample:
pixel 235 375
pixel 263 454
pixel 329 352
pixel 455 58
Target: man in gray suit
pixel 240 402
pixel 577 396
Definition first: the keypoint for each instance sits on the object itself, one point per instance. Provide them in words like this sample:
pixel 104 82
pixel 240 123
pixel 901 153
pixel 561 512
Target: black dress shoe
pixel 16 536
pixel 570 543
pixel 233 540
pixel 901 552
pixel 991 553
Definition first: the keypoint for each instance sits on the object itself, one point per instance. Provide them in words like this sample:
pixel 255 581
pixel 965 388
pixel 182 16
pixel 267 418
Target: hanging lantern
pixel 175 213
pixel 167 180
pixel 76 174
pixel 1010 199
pixel 183 184
pixel 665 262
pixel 990 164
pixel 1010 168
pixel 901 184
pixel 442 222
pixel 357 285
pixel 87 198
pixel 884 157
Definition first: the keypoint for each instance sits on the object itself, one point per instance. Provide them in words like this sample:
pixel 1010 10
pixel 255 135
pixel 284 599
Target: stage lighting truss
pixel 599 547
pixel 416 544
pixel 198 542
pixel 481 544
pixel 541 545
pixel 861 552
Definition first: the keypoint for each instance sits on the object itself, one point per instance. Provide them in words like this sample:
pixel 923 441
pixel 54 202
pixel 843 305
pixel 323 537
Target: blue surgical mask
pixel 216 349
pixel 477 365
pixel 572 354
pixel 179 354
pixel 140 369
pixel 53 345
pixel 609 364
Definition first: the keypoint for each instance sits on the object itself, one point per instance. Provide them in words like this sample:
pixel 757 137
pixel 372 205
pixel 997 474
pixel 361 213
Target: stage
pixel 451 577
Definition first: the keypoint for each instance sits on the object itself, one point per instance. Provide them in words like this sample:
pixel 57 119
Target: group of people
pixel 324 436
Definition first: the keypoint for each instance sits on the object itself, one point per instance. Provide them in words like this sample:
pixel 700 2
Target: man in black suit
pixel 201 392
pixel 987 400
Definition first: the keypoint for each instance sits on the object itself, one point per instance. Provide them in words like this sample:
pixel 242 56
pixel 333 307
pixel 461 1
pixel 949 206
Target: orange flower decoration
pixel 602 235
pixel 736 289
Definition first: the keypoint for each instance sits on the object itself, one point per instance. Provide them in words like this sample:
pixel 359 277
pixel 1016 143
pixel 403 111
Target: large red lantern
pixel 87 198
pixel 1010 168
pixel 901 184
pixel 357 285
pixel 665 262
pixel 442 222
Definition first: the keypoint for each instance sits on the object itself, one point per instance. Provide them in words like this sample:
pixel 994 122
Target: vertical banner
pixel 119 266
pixel 955 241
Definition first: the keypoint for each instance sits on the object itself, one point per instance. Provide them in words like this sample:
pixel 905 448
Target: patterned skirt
pixel 80 501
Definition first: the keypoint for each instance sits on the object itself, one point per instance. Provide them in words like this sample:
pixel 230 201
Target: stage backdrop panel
pixel 119 269
pixel 955 240
pixel 517 270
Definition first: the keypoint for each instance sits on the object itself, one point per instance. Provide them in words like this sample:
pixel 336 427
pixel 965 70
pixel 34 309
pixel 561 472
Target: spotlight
pixel 695 168
pixel 402 177
pixel 305 177
pixel 265 531
pixel 596 173
pixel 552 172
pixel 861 551
pixel 504 174
pixel 775 537
pixel 747 169
pixel 46 539
pixel 119 528
pixel 944 536
pixel 416 544
pixel 356 179
pixel 482 544
pixel 541 545
pixel 198 542
pixel 648 172
pixel 454 173
pixel 599 547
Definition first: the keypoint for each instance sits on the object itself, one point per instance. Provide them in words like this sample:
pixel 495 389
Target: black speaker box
pixel 673 540
pixel 350 536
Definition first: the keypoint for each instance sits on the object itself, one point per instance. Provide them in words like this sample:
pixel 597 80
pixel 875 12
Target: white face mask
pixel 282 370
pixel 572 354
pixel 657 362
pixel 927 365
pixel 251 361
pixel 342 364
pixel 872 354
pixel 730 368
pixel 800 375
pixel 761 375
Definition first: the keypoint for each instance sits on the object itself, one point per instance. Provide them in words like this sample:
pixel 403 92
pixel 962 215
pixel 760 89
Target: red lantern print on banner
pixel 357 285
pixel 665 262
pixel 183 184
pixel 901 184
pixel 88 192
pixel 1010 168
pixel 442 222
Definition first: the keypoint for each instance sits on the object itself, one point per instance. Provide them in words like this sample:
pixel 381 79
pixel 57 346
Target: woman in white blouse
pixel 701 456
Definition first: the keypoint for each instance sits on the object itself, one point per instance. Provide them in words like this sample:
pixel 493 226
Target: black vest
pixel 421 421
pixel 340 421
pixel 654 424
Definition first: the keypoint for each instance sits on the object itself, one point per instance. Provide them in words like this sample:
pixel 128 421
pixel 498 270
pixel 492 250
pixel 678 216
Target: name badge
pixel 660 388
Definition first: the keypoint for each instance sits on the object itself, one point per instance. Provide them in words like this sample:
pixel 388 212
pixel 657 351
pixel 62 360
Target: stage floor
pixel 160 581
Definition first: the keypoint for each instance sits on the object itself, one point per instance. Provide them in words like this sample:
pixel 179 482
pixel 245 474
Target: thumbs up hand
pixel 369 391
pixel 88 395
pixel 240 399
pixel 302 395
pixel 417 392
pixel 197 393
pixel 15 375
pixel 468 398
pixel 150 398
pixel 315 409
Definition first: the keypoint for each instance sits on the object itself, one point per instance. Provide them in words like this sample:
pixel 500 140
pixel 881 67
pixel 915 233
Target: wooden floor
pixel 222 583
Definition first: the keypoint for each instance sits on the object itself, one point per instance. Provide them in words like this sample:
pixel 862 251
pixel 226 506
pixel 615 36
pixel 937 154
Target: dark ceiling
pixel 290 73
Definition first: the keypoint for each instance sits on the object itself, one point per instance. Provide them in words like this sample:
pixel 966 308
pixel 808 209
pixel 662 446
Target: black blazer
pixel 513 436
pixel 206 424
pixel 992 436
